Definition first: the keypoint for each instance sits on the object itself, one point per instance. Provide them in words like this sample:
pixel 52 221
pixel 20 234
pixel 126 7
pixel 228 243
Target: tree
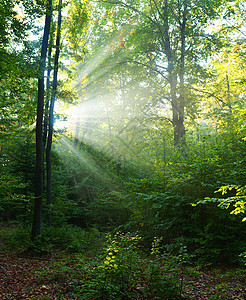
pixel 36 227
pixel 16 81
pixel 51 113
pixel 169 39
pixel 42 134
pixel 17 101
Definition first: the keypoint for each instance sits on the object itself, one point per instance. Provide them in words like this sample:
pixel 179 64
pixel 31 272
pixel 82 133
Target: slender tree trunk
pixel 47 104
pixel 51 117
pixel 76 133
pixel 177 102
pixel 46 113
pixel 179 129
pixel 46 120
pixel 37 214
pixel 175 111
pixel 172 77
pixel 109 124
pixel 228 92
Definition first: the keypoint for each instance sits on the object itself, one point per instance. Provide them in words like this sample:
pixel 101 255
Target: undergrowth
pixel 66 237
pixel 113 266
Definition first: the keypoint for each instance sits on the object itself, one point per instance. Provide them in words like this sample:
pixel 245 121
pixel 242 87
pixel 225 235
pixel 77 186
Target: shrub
pixel 124 272
pixel 66 237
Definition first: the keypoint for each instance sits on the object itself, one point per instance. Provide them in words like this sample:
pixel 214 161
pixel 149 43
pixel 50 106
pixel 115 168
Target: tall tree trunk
pixel 47 104
pixel 175 110
pixel 37 214
pixel 177 119
pixel 179 128
pixel 177 102
pixel 76 133
pixel 51 117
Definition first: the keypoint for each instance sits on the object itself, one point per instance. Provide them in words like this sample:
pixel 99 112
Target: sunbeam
pixel 85 159
pixel 99 57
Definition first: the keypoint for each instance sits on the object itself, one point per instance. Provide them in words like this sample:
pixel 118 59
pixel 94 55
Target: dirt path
pixel 28 278
pixel 215 284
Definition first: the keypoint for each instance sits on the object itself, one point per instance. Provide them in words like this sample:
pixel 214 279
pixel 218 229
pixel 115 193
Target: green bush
pixel 124 272
pixel 66 237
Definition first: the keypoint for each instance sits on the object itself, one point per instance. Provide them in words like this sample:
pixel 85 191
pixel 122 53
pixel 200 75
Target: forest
pixel 122 149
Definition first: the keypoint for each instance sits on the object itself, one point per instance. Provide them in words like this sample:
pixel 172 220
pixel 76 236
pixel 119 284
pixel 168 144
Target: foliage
pixel 115 168
pixel 14 204
pixel 16 187
pixel 76 25
pixel 158 43
pixel 238 201
pixel 242 257
pixel 124 272
pixel 63 274
pixel 64 237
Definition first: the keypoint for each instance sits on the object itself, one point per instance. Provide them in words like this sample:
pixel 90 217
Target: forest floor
pixel 50 276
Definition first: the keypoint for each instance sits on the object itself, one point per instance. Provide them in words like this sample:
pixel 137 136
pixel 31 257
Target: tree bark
pixel 37 213
pixel 47 105
pixel 51 118
pixel 177 102
pixel 179 128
